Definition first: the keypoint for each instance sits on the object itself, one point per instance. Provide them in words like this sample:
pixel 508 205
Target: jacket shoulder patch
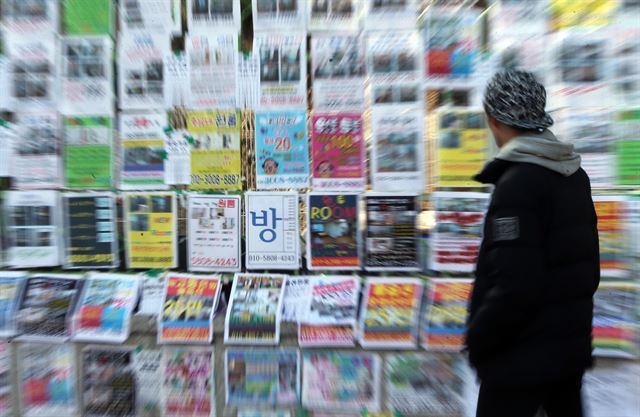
pixel 506 228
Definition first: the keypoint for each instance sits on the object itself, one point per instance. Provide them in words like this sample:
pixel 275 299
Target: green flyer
pixel 88 151
pixel 88 17
pixel 628 146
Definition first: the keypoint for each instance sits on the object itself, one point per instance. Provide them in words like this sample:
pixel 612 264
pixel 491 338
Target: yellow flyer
pixel 215 152
pixel 584 13
pixel 151 230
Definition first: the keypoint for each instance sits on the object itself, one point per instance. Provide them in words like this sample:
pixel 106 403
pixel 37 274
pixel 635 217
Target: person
pixel 529 323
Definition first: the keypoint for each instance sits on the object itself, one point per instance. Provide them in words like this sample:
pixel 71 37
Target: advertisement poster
pixel 141 69
pixel 593 14
pixel 273 15
pixel 262 377
pixel 32 227
pixel 425 384
pixel 282 150
pixel 283 69
pixel 34 72
pixel 390 313
pixel 90 225
pixel 331 313
pixel 208 15
pixel 627 128
pixel 212 61
pixel 215 153
pixel 339 71
pixel 463 147
pixel 385 14
pixel 255 309
pixel 11 286
pixel 109 382
pixel 145 15
pixel 296 290
pixel 339 380
pixel 42 17
pixel 614 241
pixel 338 152
pixel 616 332
pixel 47 378
pixel 458 233
pixel 152 294
pixel 188 382
pixel 87 74
pixel 398 150
pixel 5 380
pixel 213 236
pixel 105 307
pixel 84 17
pixel 177 165
pixel 46 307
pixel 188 308
pixel 326 15
pixel 626 74
pixel 148 372
pixel 391 237
pixel 88 151
pixel 142 143
pixel 333 231
pixel 37 153
pixel 444 321
pixel 272 232
pixel 151 230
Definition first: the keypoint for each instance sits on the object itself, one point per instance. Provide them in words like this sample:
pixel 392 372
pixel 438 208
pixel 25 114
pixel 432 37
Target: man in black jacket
pixel 529 324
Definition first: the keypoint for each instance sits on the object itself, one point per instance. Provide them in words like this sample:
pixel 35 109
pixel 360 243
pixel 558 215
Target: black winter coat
pixel 530 316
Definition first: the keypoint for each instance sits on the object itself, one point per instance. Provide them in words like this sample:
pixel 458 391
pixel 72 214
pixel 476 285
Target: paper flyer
pixel 86 17
pixel 272 234
pixel 42 17
pixel 177 80
pixel 283 69
pixel 390 313
pixel 463 147
pixel 262 377
pixel 213 236
pixel 152 294
pixel 148 373
pixel 616 332
pixel 188 308
pixel 212 62
pixel 338 152
pixel 146 15
pixel 88 151
pixel 295 291
pixel 340 380
pixel 8 138
pixel 46 306
pixel 5 380
pixel 391 237
pixel 592 15
pixel 324 15
pixel 209 15
pixel 109 382
pixel 458 233
pixel 627 128
pixel 425 384
pixel 273 15
pixel 398 150
pixel 331 313
pixel 87 75
pixel 255 309
pixel 215 153
pixel 188 382
pixel 333 232
pixel 142 147
pixel 338 68
pixel 11 286
pixel 382 14
pixel 614 241
pixel 90 224
pixel 47 379
pixel 626 75
pixel 151 230
pixel 177 165
pixel 282 150
pixel 32 220
pixel 444 321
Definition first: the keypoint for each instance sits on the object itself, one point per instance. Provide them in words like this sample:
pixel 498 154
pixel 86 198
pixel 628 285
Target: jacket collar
pixel 492 171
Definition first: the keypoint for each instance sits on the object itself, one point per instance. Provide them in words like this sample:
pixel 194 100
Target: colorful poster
pixel 627 128
pixel 463 147
pixel 444 321
pixel 212 62
pixel 255 309
pixel 282 150
pixel 338 152
pixel 296 290
pixel 87 75
pixel 11 286
pixel 616 331
pixel 215 153
pixel 142 144
pixel 88 151
pixel 6 399
pixel 398 151
pixel 458 233
pixel 151 230
pixel 109 382
pixel 390 313
pixel 146 15
pixel 331 312
pixel 283 69
pixel 47 379
pixel 262 377
pixel 333 231
pixel 30 17
pixel 614 241
pixel 208 15
pixel 339 71
pixel 188 388
pixel 273 15
pixel 595 13
pixel 384 14
pixel 213 236
pixel 391 237
pixel 425 384
pixel 86 17
pixel 90 225
pixel 32 223
pixel 338 380
pixel 188 308
pixel 148 374
pixel 326 15
pixel 272 233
